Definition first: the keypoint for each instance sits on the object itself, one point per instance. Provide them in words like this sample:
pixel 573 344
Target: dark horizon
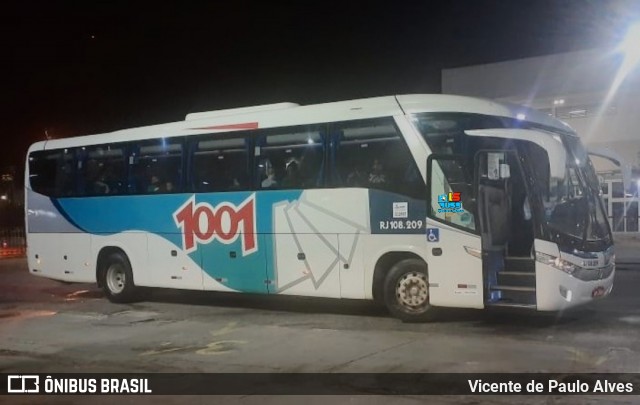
pixel 92 68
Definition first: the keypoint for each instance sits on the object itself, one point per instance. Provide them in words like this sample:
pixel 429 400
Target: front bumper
pixel 557 290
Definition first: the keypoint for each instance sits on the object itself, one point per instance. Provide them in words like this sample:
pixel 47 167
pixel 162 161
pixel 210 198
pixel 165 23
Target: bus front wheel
pixel 406 291
pixel 117 278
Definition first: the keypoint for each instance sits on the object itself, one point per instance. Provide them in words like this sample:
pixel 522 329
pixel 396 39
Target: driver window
pixel 451 194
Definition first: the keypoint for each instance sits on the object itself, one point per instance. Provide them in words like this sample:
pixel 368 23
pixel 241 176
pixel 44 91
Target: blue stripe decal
pixel 107 215
pixel 65 215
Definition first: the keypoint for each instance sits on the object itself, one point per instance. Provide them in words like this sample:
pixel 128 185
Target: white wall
pixel 578 78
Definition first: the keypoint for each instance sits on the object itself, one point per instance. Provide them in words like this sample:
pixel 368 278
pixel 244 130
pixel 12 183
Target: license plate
pixel 597 292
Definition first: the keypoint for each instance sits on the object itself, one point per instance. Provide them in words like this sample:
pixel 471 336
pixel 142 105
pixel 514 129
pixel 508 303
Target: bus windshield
pixel 572 207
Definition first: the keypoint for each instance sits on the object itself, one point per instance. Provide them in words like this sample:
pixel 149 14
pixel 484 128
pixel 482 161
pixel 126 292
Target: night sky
pixel 95 66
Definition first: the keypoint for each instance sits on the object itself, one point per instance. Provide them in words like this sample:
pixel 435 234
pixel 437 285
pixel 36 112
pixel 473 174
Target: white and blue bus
pixel 415 201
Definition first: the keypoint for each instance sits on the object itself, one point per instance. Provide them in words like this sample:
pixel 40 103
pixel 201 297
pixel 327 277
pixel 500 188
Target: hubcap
pixel 412 291
pixel 115 278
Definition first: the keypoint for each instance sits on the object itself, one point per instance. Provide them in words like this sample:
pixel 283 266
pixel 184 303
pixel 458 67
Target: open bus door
pixel 454 246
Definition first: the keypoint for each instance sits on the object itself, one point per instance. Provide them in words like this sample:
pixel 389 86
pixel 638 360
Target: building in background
pixel 7 189
pixel 12 236
pixel 574 87
pixel 585 90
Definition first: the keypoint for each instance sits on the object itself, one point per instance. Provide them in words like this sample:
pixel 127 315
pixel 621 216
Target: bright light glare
pixel 631 44
pixel 630 47
pixel 521 116
pixel 3 197
pixel 558 102
pixel 309 141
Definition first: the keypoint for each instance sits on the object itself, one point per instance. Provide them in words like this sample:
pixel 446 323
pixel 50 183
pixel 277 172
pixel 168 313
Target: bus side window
pixel 103 171
pixel 65 182
pixel 158 166
pixel 291 158
pixel 448 176
pixel 52 173
pixel 221 164
pixel 42 172
pixel 373 154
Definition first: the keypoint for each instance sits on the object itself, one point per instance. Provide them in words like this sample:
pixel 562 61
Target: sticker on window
pixel 400 210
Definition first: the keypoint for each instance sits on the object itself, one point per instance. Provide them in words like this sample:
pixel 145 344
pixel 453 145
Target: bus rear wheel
pixel 117 278
pixel 406 291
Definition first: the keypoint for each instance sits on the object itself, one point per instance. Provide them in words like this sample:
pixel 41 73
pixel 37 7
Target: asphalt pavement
pixel 47 326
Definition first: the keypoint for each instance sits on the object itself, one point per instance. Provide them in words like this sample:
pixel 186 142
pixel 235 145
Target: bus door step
pixel 513 294
pixel 517 278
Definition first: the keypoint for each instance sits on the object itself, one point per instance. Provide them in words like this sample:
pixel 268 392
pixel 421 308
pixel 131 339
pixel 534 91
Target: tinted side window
pixel 104 170
pixel 221 165
pixel 290 158
pixel 52 173
pixel 156 166
pixel 372 154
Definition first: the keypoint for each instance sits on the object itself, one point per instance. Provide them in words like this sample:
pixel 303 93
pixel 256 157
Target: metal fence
pixel 622 208
pixel 13 242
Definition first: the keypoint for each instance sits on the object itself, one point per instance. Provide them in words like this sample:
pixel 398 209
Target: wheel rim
pixel 412 291
pixel 116 278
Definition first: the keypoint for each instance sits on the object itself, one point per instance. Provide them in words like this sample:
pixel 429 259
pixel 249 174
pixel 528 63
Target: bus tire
pixel 406 291
pixel 117 278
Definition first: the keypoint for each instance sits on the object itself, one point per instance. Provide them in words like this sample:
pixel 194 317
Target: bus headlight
pixel 557 263
pixel 574 270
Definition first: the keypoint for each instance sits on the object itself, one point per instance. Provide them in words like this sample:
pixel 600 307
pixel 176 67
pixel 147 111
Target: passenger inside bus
pixel 96 178
pixel 377 176
pixel 239 182
pixel 270 180
pixel 168 187
pixel 357 177
pixel 154 185
pixel 292 175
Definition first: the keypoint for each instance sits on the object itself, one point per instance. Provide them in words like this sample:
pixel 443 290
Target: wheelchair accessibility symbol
pixel 433 234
